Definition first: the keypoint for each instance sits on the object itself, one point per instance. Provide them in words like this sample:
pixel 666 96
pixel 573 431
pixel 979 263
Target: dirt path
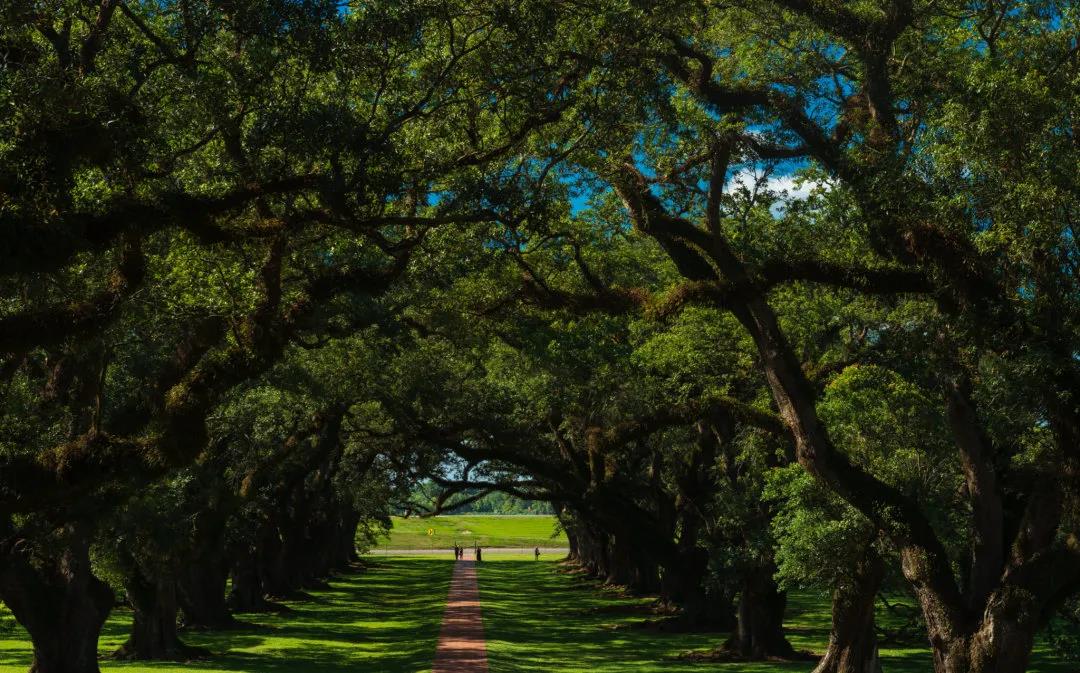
pixel 461 642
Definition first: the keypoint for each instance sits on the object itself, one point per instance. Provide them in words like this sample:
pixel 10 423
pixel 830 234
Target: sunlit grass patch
pixel 385 619
pixel 539 618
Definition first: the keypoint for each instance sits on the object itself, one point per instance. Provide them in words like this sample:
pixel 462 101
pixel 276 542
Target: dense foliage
pixel 756 295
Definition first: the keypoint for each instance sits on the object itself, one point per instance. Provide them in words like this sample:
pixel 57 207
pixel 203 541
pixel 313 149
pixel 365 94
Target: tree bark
pixel 346 554
pixel 287 550
pixel 284 567
pixel 684 574
pixel 201 594
pixel 153 630
pixel 853 646
pixel 247 593
pixel 273 569
pixel 60 602
pixel 1000 642
pixel 573 553
pixel 628 567
pixel 682 586
pixel 759 630
pixel 315 553
pixel 203 573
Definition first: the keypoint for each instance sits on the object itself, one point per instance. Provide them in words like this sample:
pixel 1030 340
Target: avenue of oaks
pixel 758 295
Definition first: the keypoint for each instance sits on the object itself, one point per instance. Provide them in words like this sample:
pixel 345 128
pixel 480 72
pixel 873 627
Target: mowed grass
pixel 385 619
pixel 522 531
pixel 539 618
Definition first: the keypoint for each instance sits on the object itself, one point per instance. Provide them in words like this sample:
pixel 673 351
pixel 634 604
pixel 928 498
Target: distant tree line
pixel 475 501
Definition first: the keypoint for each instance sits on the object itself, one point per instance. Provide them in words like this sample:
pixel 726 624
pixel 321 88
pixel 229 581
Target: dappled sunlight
pixel 538 617
pixel 384 619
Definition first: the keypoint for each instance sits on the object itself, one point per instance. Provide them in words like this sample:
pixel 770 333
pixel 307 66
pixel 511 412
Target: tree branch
pixel 21 332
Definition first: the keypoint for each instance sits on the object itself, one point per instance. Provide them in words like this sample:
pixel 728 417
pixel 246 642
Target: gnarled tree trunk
pixel 314 557
pixel 203 574
pixel 345 549
pixel 853 646
pixel 629 567
pixel 999 642
pixel 682 585
pixel 589 551
pixel 153 629
pixel 247 593
pixel 201 594
pixel 285 570
pixel 274 571
pixel 59 601
pixel 759 630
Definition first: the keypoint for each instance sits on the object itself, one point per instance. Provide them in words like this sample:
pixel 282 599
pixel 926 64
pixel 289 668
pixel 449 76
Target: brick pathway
pixel 461 642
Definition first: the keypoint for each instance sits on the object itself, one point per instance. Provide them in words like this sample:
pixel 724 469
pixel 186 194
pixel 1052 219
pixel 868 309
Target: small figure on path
pixel 478 554
pixel 455 552
pixel 536 553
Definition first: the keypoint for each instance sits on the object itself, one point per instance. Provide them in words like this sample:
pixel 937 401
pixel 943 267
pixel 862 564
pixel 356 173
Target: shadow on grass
pixel 385 619
pixel 538 618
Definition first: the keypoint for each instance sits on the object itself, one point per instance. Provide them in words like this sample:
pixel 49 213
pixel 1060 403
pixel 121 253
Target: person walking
pixel 479 553
pixel 536 553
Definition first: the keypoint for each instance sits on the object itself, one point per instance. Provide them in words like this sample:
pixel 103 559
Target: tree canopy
pixel 756 294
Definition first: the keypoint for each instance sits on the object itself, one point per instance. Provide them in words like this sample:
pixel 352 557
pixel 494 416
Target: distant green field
pixel 474 529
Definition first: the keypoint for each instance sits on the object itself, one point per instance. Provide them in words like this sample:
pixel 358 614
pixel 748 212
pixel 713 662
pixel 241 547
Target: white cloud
pixel 784 186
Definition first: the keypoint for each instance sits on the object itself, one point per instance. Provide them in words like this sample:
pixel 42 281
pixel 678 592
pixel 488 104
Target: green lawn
pixel 522 531
pixel 386 619
pixel 537 618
